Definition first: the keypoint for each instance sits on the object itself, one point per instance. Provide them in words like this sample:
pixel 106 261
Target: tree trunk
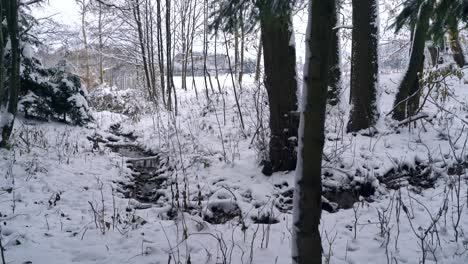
pixel 364 66
pixel 160 45
pixel 84 8
pixel 407 96
pixel 242 48
pixel 3 91
pixel 455 46
pixel 141 42
pixel 101 68
pixel 3 95
pixel 205 49
pixel 307 247
pixel 281 84
pixel 8 116
pixel 434 53
pixel 168 55
pixel 334 77
pixel 258 62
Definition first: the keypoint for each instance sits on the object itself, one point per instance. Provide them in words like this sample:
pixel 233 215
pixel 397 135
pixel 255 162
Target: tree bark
pixel 407 97
pixel 141 42
pixel 8 110
pixel 84 8
pixel 455 46
pixel 3 95
pixel 168 55
pixel 258 62
pixel 434 53
pixel 364 66
pixel 101 68
pixel 281 84
pixel 307 247
pixel 334 77
pixel 160 45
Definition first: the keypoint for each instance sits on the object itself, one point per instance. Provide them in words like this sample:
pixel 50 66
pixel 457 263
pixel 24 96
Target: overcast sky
pixel 66 11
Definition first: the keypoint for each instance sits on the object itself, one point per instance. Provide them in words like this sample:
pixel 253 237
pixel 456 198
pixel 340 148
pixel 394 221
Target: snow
pixel 51 159
pixel 5 118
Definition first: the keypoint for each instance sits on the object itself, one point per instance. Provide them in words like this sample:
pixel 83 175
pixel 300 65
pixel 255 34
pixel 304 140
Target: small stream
pixel 149 171
pixel 149 177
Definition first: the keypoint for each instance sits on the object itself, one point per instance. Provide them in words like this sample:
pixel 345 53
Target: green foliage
pixel 408 15
pixel 230 14
pixel 446 14
pixel 52 93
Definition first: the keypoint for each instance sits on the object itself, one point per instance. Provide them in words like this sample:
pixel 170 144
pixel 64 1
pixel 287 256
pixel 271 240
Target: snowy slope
pixel 56 189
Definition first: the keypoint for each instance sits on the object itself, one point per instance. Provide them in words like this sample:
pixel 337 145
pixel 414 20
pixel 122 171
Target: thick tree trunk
pixel 3 91
pixel 307 247
pixel 3 95
pixel 364 66
pixel 8 110
pixel 407 97
pixel 455 46
pixel 281 84
pixel 334 77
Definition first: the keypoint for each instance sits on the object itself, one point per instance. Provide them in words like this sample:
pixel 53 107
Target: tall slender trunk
pixel 183 18
pixel 168 55
pixel 150 47
pixel 281 85
pixel 160 45
pixel 364 66
pixel 205 48
pixel 307 247
pixel 141 42
pixel 101 68
pixel 236 97
pixel 407 97
pixel 192 37
pixel 258 62
pixel 242 48
pixel 85 43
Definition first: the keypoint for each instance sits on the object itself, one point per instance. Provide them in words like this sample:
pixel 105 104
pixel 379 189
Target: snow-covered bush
pixel 52 93
pixel 128 102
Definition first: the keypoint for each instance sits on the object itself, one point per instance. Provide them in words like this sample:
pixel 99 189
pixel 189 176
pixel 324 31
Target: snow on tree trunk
pixel 306 247
pixel 364 66
pixel 11 100
pixel 407 98
pixel 455 46
pixel 281 84
pixel 334 77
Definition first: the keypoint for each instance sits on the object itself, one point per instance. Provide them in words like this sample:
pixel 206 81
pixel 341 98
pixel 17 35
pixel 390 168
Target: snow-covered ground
pixel 60 201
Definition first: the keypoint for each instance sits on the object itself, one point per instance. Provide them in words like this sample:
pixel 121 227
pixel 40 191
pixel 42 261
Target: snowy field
pixel 62 199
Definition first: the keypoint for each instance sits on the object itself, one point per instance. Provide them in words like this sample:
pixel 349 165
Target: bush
pixel 128 102
pixel 52 93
